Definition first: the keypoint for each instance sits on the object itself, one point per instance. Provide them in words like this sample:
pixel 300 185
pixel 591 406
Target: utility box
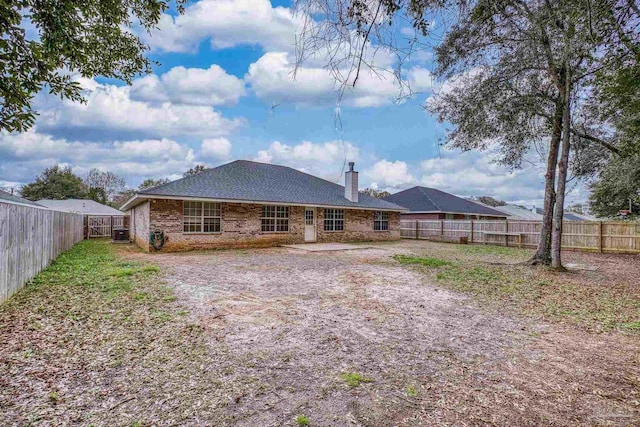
pixel 121 235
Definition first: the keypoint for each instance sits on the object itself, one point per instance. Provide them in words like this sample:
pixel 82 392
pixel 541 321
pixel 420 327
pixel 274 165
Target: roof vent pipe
pixel 351 184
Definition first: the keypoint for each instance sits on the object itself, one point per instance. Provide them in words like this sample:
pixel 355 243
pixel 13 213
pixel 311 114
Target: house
pixel 424 203
pixel 85 207
pixel 99 220
pixel 518 212
pixel 6 197
pixel 245 203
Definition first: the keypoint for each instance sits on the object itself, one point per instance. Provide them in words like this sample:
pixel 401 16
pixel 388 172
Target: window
pixel 449 216
pixel 334 220
pixel 380 221
pixel 308 217
pixel 201 217
pixel 275 219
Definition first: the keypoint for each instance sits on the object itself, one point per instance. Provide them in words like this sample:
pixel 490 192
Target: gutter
pixel 130 203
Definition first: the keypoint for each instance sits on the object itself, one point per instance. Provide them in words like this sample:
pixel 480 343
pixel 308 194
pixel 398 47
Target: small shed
pixel 99 220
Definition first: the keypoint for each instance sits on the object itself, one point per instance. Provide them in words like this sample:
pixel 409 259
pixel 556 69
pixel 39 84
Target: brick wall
pixel 241 227
pixel 358 226
pixel 139 229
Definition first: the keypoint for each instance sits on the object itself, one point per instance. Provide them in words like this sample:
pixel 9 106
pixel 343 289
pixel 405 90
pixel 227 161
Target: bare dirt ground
pixel 283 327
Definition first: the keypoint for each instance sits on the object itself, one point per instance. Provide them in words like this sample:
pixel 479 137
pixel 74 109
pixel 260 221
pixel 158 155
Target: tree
pixel 519 72
pixel 378 194
pixel 90 37
pixel 55 183
pixel 194 170
pixel 103 185
pixel 150 183
pixel 121 198
pixel 490 201
pixel 618 184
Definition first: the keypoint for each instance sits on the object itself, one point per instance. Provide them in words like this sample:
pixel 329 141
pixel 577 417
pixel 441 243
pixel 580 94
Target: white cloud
pixel 217 148
pixel 25 155
pixel 109 108
pixel 272 79
pixel 226 23
pixel 390 175
pixel 324 159
pixel 475 173
pixel 191 86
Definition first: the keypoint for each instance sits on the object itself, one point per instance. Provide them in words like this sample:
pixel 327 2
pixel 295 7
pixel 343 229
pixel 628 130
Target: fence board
pixel 30 238
pixel 602 236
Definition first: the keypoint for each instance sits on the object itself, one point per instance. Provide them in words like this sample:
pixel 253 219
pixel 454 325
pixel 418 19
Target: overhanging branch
pixel 597 140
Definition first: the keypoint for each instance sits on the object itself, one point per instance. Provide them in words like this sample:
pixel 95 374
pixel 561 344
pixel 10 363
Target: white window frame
pixel 276 218
pixel 381 218
pixel 333 217
pixel 207 211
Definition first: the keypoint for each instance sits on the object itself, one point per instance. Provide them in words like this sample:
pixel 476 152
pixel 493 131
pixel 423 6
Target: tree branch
pixel 597 140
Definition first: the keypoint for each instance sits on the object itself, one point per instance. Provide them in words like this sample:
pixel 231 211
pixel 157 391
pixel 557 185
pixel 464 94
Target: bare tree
pixel 106 182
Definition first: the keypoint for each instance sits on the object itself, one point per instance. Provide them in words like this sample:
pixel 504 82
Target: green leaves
pixel 91 37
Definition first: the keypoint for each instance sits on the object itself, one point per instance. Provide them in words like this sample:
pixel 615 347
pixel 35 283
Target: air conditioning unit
pixel 121 235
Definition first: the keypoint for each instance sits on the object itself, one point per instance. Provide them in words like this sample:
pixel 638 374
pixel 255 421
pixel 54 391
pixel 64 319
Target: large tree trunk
pixel 563 167
pixel 543 253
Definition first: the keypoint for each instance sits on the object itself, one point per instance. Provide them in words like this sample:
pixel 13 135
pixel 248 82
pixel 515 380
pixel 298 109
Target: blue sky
pixel 224 91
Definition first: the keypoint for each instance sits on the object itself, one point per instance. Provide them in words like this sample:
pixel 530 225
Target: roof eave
pixel 131 202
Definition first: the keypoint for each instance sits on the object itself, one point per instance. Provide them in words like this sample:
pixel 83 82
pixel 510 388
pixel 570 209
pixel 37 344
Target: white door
pixel 310 224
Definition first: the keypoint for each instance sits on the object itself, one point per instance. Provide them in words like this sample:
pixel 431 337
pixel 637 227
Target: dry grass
pixel 97 340
pixel 598 300
pixel 281 338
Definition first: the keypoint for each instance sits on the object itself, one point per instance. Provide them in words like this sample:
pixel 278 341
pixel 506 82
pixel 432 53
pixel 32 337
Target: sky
pixel 224 90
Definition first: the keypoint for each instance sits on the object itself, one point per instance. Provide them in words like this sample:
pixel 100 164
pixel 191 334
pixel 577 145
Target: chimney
pixel 351 184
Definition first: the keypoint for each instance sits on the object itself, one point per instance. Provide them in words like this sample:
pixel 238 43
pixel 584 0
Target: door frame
pixel 314 225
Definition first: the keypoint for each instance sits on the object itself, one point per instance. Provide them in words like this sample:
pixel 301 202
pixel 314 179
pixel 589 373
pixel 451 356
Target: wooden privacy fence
pixel 30 238
pixel 103 225
pixel 600 236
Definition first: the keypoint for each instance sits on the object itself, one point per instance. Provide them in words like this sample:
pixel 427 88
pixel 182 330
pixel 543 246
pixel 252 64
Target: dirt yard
pixel 296 323
pixel 282 337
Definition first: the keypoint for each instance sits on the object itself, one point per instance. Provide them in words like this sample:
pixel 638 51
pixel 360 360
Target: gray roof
pixel 571 216
pixel 518 212
pixel 424 199
pixel 244 180
pixel 82 206
pixel 8 197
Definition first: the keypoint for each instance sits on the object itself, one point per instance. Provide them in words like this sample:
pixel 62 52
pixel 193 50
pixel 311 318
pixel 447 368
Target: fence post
pixel 506 232
pixel 111 226
pixel 600 236
pixel 471 231
pixel 442 227
pixel 417 230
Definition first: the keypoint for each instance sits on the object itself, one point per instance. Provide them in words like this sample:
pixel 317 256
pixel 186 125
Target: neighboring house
pixel 81 206
pixel 571 216
pixel 7 197
pixel 518 212
pixel 424 203
pixel 244 203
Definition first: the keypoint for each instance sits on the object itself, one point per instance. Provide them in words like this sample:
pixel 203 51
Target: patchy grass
pixel 93 339
pixel 489 250
pixel 411 391
pixel 537 292
pixel 354 379
pixel 633 326
pixel 302 420
pixel 424 261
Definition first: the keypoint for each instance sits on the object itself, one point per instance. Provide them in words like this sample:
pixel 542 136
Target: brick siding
pixel 241 227
pixel 139 230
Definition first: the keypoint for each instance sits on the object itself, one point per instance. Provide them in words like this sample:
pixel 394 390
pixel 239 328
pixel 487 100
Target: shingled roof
pixel 11 198
pixel 428 200
pixel 247 181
